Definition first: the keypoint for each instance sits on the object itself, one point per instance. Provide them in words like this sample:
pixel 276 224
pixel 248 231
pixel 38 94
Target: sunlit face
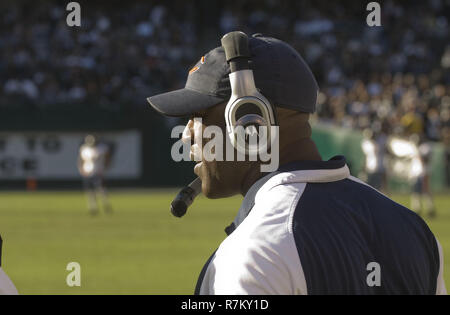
pixel 219 178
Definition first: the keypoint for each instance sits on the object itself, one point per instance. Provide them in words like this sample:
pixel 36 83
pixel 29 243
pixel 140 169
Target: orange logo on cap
pixel 195 68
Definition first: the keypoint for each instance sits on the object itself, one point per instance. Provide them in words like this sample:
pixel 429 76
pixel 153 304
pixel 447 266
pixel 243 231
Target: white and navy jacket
pixel 6 285
pixel 311 228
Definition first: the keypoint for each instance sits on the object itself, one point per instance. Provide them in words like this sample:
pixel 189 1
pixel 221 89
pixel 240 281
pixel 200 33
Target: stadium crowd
pixel 394 77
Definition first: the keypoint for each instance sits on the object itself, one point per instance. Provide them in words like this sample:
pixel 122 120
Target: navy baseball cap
pixel 280 73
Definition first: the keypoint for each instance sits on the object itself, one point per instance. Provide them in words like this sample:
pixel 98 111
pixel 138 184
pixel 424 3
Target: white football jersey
pixel 312 228
pixel 6 285
pixel 93 159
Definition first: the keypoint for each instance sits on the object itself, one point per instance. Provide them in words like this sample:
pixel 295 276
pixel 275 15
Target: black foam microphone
pixel 185 197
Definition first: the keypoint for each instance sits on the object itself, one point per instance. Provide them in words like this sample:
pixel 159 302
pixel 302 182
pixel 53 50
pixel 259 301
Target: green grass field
pixel 140 249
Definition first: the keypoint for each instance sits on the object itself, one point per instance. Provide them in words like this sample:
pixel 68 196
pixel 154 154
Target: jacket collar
pixel 295 172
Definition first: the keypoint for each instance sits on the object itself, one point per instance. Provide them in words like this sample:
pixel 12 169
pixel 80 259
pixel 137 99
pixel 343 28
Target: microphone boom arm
pixel 185 197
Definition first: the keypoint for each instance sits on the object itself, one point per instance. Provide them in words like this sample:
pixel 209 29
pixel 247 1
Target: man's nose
pixel 188 133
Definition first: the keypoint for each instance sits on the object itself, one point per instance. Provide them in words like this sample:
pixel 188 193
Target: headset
pixel 247 107
pixel 246 111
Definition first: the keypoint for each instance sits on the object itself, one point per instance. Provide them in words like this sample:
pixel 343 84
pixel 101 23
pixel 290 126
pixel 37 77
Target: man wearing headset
pixel 309 227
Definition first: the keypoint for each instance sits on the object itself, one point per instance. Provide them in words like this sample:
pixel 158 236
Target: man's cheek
pixel 211 173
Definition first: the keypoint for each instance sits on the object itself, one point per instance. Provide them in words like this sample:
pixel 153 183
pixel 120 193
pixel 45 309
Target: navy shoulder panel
pixel 340 227
pixel 202 274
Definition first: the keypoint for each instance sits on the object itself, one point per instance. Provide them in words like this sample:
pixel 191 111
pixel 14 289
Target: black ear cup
pixel 250 120
pixel 249 116
pixel 250 135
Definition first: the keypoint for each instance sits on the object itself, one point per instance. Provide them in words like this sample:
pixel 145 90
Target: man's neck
pixel 303 149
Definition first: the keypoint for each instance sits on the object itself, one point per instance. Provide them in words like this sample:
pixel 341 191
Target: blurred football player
pixel 421 198
pixel 93 161
pixel 374 149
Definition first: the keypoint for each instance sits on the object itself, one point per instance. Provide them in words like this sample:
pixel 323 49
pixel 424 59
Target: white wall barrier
pixel 53 155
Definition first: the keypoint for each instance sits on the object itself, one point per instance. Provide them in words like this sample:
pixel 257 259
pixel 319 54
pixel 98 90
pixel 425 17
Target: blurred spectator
pixel 397 74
